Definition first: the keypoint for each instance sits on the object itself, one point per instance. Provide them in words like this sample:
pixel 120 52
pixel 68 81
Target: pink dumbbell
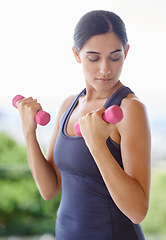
pixel 41 117
pixel 112 115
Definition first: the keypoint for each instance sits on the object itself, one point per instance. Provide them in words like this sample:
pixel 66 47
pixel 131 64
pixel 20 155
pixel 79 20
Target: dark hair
pixel 99 22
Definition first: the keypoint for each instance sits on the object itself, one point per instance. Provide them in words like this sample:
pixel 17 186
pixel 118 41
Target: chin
pixel 107 86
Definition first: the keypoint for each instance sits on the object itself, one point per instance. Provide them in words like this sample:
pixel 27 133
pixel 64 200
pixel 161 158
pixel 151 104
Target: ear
pixel 76 54
pixel 126 50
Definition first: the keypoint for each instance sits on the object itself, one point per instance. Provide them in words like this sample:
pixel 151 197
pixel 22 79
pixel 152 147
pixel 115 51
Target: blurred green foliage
pixel 22 209
pixel 24 212
pixel 155 221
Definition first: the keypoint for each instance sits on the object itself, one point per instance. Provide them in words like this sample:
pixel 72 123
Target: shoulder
pixel 64 106
pixel 132 104
pixel 135 114
pixel 66 103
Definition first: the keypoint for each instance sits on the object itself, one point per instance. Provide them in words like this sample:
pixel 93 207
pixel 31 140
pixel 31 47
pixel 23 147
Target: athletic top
pixel 86 210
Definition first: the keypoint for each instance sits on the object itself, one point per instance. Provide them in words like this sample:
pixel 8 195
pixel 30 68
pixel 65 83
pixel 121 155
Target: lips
pixel 103 80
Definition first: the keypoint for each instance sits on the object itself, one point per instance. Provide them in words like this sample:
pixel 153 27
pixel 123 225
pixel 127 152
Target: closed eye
pixel 93 58
pixel 115 57
pixel 96 59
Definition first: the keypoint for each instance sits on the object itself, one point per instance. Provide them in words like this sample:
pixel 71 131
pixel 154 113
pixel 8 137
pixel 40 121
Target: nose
pixel 105 68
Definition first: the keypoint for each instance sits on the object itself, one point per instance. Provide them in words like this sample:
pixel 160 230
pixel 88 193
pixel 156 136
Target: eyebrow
pixel 92 52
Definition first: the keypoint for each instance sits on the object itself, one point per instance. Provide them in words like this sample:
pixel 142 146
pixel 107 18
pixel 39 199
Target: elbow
pixel 47 196
pixel 140 216
pixel 138 219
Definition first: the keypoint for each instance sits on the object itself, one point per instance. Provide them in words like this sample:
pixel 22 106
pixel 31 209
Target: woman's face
pixel 102 59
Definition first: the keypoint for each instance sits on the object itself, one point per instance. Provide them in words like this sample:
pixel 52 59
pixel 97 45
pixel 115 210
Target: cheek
pixel 88 69
pixel 118 67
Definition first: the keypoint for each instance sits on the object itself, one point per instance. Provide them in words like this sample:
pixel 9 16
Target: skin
pixel 102 59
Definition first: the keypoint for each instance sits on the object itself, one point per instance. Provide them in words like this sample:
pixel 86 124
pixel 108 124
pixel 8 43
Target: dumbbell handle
pixel 41 117
pixel 112 115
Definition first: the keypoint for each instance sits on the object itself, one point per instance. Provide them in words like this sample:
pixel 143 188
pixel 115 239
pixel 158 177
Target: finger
pixel 99 112
pixel 31 104
pixel 24 100
pixel 93 112
pixel 86 116
pixel 89 114
pixel 34 105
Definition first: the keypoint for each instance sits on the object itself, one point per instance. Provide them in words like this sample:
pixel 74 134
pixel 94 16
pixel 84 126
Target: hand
pixel 28 107
pixel 94 129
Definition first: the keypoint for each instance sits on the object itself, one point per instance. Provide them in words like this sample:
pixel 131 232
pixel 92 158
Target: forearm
pixel 42 171
pixel 126 192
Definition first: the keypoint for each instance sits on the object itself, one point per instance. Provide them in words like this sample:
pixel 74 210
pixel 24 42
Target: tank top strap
pixel 117 97
pixel 114 99
pixel 72 106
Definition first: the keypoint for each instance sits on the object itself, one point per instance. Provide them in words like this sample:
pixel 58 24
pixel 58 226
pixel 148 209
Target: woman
pixel 104 176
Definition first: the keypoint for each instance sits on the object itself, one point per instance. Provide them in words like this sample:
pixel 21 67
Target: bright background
pixel 36 58
pixel 36 40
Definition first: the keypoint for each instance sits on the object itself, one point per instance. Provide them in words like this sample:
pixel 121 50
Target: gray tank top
pixel 87 210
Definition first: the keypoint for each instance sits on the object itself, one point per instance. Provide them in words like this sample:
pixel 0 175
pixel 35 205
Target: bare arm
pixel 130 187
pixel 44 171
